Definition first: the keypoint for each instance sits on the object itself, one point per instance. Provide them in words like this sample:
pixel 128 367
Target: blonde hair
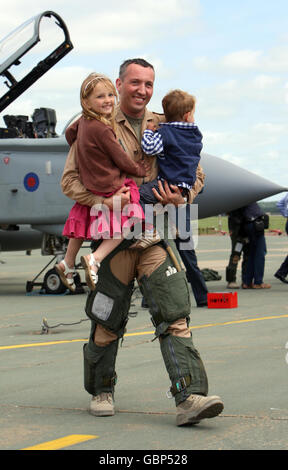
pixel 87 87
pixel 176 104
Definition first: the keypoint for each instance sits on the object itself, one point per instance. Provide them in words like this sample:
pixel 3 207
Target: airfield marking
pixel 141 333
pixel 62 442
pixel 32 345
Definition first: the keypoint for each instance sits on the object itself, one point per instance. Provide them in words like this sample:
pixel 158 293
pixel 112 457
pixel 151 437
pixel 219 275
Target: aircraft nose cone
pixel 228 187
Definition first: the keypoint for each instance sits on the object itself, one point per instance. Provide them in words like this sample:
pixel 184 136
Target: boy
pixel 177 144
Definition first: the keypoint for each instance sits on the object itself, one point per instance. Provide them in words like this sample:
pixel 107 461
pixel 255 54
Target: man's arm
pixel 198 185
pixel 74 189
pixel 166 196
pixel 112 148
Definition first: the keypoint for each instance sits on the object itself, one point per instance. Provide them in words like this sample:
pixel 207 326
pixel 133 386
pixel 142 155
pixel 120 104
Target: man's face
pixel 135 89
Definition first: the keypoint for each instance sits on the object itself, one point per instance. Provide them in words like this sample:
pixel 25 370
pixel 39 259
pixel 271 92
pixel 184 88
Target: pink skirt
pixel 98 222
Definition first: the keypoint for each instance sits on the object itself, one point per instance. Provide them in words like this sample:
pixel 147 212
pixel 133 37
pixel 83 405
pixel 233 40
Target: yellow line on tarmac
pixel 234 322
pixel 48 343
pixel 63 442
pixel 141 333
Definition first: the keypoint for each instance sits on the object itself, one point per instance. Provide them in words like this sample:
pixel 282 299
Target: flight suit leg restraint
pixel 99 367
pixel 109 308
pixel 184 366
pixel 166 292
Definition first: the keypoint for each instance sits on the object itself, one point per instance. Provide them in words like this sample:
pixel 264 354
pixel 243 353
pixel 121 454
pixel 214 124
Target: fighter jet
pixel 22 173
pixel 32 157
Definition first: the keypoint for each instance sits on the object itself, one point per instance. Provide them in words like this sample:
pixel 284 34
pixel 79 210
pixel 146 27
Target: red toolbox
pixel 222 299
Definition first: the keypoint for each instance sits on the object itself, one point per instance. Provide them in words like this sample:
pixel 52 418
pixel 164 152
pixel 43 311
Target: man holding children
pixel 167 296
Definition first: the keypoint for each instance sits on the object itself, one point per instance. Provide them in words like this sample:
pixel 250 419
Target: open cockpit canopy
pixel 19 42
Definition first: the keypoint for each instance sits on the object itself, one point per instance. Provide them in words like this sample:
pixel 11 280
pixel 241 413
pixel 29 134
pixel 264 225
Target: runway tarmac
pixel 43 404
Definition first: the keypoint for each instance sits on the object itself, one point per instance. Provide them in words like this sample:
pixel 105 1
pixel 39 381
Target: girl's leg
pixel 65 268
pixel 105 248
pixel 73 248
pixel 91 262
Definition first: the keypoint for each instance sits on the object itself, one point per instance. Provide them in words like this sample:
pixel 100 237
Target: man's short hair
pixel 128 62
pixel 176 104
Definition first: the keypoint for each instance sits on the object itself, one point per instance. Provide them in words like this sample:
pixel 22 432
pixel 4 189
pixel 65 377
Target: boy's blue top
pixel 178 146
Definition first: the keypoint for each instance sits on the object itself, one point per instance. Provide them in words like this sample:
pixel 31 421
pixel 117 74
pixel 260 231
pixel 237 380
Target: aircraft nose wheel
pixel 52 283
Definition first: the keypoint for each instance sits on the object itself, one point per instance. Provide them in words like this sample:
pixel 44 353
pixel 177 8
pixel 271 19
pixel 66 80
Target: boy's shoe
pixel 148 238
pixel 198 407
pixel 102 405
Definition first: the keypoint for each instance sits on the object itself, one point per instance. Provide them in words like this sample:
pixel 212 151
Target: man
pixel 282 272
pixel 254 229
pixel 168 297
pixel 239 245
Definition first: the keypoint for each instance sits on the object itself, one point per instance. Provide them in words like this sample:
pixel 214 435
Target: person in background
pixel 239 247
pixel 254 230
pixel 282 272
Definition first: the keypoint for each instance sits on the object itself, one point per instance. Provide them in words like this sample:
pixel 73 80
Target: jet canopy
pixel 19 42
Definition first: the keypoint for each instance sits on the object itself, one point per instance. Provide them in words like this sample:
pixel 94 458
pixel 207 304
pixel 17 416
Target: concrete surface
pixel 244 349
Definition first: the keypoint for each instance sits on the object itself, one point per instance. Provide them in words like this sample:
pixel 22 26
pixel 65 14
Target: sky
pixel 233 56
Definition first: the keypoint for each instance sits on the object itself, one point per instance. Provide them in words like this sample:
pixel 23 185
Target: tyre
pixel 52 283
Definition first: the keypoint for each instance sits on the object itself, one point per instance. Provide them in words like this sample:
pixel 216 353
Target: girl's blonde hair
pixel 86 89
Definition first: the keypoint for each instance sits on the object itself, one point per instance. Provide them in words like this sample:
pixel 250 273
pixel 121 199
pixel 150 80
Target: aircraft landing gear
pixel 52 283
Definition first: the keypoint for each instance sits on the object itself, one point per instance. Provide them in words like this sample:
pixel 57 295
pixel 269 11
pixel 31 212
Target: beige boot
pixel 197 407
pixel 102 405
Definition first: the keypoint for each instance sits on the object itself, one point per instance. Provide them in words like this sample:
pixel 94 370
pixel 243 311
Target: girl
pixel 103 166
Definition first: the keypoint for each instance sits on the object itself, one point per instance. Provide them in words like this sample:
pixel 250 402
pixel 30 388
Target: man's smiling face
pixel 135 89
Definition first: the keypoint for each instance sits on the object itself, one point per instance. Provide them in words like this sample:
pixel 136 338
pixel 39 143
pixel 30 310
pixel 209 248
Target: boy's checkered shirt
pixel 152 143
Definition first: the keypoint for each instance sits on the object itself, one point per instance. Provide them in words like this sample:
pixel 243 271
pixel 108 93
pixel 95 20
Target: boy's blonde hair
pixel 86 89
pixel 176 104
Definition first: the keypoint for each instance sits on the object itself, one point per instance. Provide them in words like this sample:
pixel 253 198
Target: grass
pixel 218 223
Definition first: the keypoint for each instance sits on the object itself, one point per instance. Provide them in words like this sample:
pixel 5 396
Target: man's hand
pixel 166 196
pixel 123 193
pixel 151 126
